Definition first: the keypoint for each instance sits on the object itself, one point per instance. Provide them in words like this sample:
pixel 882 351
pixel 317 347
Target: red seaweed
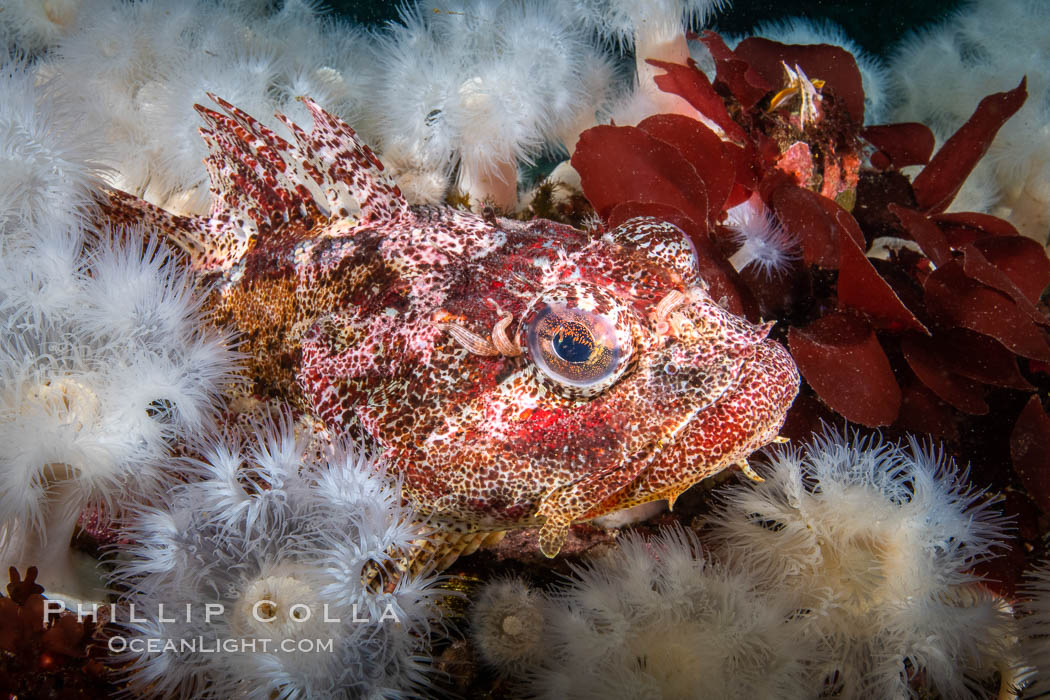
pixel 924 358
pixel 689 83
pixel 978 357
pixel 958 300
pixel 704 151
pixel 862 289
pixel 1021 260
pixel 1028 450
pixel 818 226
pixel 625 164
pixel 907 143
pixel 967 226
pixel 980 269
pixel 926 338
pixel 923 413
pixel 841 358
pixel 939 182
pixel 54 655
pixel 925 233
pixel 743 81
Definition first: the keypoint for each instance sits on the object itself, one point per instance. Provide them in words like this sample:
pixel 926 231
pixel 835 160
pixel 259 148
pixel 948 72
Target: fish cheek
pixel 695 376
pixel 657 405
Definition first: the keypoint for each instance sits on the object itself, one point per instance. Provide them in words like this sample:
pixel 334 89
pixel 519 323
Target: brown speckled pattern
pixel 346 294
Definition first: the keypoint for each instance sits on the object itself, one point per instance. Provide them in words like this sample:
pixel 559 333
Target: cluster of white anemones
pixel 104 359
pixel 268 550
pixel 847 573
pixel 104 364
pixel 466 87
pixel 477 87
pixel 136 70
pixel 879 542
pixel 653 619
pixel 49 159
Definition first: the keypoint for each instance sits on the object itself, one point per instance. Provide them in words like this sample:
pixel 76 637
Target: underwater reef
pixel 521 350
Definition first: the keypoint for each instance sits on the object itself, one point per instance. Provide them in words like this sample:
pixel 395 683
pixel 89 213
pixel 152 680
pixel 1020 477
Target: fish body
pixel 514 374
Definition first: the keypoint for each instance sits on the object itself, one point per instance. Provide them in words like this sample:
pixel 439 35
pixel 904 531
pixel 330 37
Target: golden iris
pixel 573 346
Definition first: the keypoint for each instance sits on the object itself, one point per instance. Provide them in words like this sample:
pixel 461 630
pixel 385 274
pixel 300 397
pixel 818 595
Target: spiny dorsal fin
pixel 253 170
pixel 327 168
pixel 346 166
pixel 260 182
pixel 248 200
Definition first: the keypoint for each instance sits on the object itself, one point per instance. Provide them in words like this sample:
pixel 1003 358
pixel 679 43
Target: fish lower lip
pixel 650 451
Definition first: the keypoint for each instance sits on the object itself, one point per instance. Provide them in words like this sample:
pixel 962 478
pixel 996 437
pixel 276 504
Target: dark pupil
pixel 572 342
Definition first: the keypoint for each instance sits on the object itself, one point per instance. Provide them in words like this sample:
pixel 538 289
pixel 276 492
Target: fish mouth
pixel 714 435
pixel 636 467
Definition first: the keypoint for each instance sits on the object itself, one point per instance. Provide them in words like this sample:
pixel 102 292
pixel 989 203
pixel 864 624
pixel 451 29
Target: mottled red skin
pixel 482 442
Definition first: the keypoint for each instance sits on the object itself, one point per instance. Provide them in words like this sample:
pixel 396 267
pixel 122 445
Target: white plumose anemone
pixel 471 88
pixel 134 72
pixel 764 243
pixel 507 623
pixel 48 161
pixel 478 86
pixel 878 543
pixel 1035 628
pixel 34 25
pixel 104 364
pixel 659 620
pixel 628 23
pixel 278 540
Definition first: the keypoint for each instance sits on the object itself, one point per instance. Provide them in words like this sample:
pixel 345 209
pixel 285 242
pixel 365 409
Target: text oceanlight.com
pixel 201 645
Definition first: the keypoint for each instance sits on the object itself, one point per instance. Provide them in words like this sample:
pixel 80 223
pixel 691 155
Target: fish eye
pixel 573 346
pixel 579 339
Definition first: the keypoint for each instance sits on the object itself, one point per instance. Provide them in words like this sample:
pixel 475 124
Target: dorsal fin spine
pixel 260 182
